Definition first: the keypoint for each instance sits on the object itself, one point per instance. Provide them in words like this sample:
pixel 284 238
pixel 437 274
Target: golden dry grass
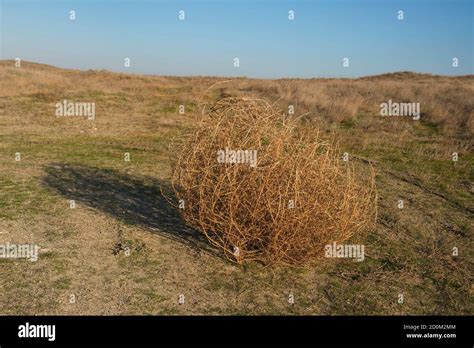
pixel 296 197
pixel 119 205
pixel 446 101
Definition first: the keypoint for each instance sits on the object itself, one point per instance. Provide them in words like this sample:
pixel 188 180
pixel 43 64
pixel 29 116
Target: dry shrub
pixel 247 211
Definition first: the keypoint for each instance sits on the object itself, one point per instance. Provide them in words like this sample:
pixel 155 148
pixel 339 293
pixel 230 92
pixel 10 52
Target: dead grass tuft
pixel 298 197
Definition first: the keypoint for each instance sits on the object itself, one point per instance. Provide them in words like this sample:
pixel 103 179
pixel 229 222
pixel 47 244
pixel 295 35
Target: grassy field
pixel 119 207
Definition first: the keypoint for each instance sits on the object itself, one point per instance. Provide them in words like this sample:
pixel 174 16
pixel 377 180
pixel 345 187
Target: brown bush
pixel 298 198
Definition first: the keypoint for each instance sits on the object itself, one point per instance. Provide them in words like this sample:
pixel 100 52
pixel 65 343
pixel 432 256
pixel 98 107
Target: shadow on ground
pixel 137 201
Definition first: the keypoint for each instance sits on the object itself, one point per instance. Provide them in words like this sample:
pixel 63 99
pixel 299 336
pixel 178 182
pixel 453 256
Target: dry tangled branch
pixel 262 188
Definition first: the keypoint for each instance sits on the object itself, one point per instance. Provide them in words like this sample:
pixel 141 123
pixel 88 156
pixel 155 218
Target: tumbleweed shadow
pixel 134 200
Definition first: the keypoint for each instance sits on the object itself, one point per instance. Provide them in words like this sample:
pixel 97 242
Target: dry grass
pixel 285 207
pixel 444 101
pixel 118 203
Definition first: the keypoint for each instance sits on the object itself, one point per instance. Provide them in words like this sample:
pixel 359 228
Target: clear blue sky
pixel 258 32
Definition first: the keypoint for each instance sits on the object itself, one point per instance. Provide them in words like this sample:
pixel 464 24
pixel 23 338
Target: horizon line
pixel 243 76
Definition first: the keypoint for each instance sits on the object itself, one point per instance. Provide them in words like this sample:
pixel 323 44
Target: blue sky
pixel 258 32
